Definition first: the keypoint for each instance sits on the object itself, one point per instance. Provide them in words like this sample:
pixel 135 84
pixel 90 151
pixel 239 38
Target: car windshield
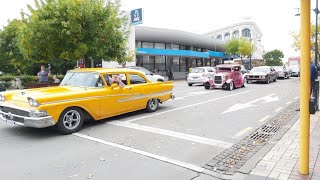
pixel 224 69
pixel 82 79
pixel 197 70
pixel 261 69
pixel 278 68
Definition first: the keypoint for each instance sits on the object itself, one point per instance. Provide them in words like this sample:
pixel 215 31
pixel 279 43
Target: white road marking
pixel 242 132
pixel 184 107
pixel 278 109
pixel 240 106
pixel 289 102
pixel 144 153
pixel 183 91
pixel 188 137
pixel 264 119
pixel 296 97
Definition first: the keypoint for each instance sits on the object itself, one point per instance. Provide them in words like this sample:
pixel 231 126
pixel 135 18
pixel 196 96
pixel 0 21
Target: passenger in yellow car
pixel 116 79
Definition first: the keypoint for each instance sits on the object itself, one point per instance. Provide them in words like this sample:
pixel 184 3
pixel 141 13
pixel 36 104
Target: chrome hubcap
pixel 71 119
pixel 153 103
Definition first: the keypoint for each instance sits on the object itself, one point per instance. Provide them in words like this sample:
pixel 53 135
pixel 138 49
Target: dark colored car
pixel 262 74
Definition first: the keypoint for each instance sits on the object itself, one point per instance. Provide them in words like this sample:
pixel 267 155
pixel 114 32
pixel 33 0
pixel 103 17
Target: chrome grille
pixel 15 111
pixel 217 79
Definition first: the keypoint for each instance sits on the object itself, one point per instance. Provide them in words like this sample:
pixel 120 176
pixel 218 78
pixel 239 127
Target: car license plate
pixel 10 122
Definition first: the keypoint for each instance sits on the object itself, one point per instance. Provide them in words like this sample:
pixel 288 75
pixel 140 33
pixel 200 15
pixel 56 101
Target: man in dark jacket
pixel 314 75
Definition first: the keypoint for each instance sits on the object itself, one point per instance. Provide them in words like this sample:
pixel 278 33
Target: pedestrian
pixel 55 79
pixel 314 76
pixel 43 75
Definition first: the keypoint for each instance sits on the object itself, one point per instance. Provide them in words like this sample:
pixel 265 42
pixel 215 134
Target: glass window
pixel 227 37
pixel 206 62
pixel 198 70
pixel 183 64
pixel 175 64
pixel 160 63
pixel 109 78
pixel 138 44
pixel 160 45
pixel 199 62
pixel 148 62
pixel 193 62
pixel 147 44
pixel 219 37
pixel 183 47
pixel 82 79
pixel 136 79
pixel 168 46
pixel 235 34
pixel 246 33
pixel 175 46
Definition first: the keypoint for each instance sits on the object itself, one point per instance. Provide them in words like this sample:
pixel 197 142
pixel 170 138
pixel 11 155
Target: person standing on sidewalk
pixel 314 76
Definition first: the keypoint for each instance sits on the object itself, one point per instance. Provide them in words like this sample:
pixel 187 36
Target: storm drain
pixel 233 158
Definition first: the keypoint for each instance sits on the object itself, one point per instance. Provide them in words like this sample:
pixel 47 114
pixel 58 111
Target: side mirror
pixel 114 85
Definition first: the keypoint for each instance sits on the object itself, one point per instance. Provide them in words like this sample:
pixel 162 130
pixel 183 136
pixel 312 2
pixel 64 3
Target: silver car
pixel 150 75
pixel 199 74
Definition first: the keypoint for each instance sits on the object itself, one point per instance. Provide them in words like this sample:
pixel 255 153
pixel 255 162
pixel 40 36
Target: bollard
pixel 316 93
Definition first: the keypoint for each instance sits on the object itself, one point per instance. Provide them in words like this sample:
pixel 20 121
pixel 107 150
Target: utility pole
pixel 316 10
pixel 304 87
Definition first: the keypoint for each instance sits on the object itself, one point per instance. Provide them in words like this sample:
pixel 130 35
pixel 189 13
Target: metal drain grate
pixel 270 129
pixel 231 159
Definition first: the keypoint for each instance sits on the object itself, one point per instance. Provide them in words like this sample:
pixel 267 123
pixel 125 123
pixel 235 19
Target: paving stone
pixel 274 175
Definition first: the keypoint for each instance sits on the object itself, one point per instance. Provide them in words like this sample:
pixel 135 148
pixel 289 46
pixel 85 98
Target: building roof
pixel 150 34
pixel 235 25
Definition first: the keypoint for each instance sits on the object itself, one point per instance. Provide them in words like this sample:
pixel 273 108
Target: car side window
pixel 136 79
pixel 109 78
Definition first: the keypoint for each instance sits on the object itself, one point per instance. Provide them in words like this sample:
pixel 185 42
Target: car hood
pixel 195 74
pixel 257 73
pixel 49 94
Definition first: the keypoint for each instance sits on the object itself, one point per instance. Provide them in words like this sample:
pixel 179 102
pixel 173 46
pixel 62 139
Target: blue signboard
pixel 136 16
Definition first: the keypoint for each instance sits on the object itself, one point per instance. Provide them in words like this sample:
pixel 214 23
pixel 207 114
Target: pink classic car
pixel 228 77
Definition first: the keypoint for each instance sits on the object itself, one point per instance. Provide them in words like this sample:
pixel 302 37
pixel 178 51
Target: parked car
pixel 295 70
pixel 262 74
pixel 83 94
pixel 199 74
pixel 282 72
pixel 227 77
pixel 150 75
pixel 244 70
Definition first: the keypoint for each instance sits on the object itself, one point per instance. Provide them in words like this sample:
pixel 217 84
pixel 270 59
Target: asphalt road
pixel 172 143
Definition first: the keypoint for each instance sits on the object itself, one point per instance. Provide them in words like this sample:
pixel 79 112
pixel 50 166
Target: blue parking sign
pixel 136 16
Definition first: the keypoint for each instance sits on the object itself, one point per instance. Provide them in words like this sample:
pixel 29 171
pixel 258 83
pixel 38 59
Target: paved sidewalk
pixel 281 162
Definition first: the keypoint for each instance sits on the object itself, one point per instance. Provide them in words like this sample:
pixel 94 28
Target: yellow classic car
pixel 95 93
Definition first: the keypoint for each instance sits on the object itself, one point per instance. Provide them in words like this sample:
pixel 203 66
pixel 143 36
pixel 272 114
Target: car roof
pixel 106 70
pixel 228 65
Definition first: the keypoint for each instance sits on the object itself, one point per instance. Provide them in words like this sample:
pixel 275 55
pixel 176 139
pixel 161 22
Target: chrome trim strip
pixel 145 96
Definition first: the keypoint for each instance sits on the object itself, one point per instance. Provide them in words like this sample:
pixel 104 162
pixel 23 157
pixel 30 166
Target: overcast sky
pixel 276 18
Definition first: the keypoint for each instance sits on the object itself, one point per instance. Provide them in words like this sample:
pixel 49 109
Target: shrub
pixel 27 79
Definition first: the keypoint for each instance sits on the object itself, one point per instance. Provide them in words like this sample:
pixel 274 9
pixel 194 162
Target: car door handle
pixel 129 88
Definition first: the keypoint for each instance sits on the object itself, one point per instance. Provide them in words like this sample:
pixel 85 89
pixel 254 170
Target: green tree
pixel 74 29
pixel 232 47
pixel 297 41
pixel 240 47
pixel 273 58
pixel 11 58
